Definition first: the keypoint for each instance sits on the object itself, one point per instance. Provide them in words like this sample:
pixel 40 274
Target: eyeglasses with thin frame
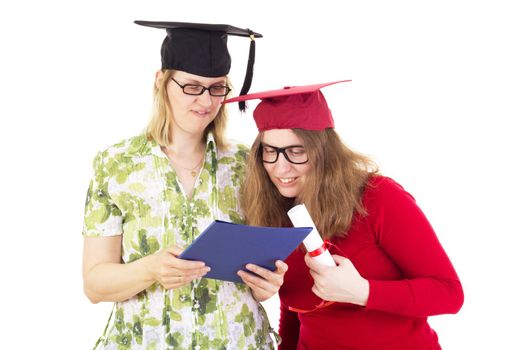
pixel 196 89
pixel 294 154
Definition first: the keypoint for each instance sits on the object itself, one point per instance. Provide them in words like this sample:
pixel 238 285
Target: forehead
pixel 193 78
pixel 280 138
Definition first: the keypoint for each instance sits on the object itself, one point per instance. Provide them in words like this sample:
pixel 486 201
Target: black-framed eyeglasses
pixel 196 90
pixel 294 154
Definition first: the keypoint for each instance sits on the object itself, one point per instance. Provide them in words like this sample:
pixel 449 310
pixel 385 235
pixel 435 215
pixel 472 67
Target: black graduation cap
pixel 201 49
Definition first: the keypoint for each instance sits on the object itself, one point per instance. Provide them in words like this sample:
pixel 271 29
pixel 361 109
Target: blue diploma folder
pixel 227 247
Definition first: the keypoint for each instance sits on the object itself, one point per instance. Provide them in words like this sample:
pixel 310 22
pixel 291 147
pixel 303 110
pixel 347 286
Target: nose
pixel 282 165
pixel 205 99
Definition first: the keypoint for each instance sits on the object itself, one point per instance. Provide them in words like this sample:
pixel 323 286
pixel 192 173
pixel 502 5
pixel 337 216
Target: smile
pixel 201 113
pixel 286 180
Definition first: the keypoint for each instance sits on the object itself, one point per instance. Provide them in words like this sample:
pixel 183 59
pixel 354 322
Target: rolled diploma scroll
pixel 301 218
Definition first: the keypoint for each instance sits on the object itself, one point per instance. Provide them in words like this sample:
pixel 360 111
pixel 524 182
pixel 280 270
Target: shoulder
pixel 234 148
pixel 128 148
pixel 388 205
pixel 231 165
pixel 234 152
pixel 383 186
pixel 123 156
pixel 385 191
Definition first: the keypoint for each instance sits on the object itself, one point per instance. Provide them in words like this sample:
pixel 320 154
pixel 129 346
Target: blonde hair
pixel 332 189
pixel 159 127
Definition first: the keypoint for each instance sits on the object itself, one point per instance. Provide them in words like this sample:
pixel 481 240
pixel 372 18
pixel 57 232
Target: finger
pixel 275 278
pixel 262 272
pixel 252 286
pixel 173 279
pixel 256 281
pixel 339 259
pixel 316 291
pixel 175 250
pixel 312 264
pixel 194 272
pixel 188 279
pixel 173 272
pixel 173 282
pixel 247 278
pixel 315 275
pixel 170 260
pixel 183 264
pixel 282 267
pixel 258 293
pixel 179 281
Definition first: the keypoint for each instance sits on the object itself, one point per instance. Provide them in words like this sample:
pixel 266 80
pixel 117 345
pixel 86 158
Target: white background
pixel 437 99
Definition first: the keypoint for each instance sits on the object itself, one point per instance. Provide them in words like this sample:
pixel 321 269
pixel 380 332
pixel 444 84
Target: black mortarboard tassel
pixel 249 73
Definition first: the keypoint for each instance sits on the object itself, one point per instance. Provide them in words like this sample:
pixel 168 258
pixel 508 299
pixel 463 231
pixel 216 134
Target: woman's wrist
pixel 145 265
pixel 364 292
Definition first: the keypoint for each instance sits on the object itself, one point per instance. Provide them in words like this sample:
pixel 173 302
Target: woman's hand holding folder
pixel 263 282
pixel 171 272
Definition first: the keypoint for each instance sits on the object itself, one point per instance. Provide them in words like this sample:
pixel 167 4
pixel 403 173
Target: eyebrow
pixel 266 144
pixel 196 82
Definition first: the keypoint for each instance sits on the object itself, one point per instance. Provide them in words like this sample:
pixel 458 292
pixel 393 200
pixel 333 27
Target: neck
pixel 184 144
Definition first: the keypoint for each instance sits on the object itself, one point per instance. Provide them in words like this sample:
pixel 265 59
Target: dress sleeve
pixel 102 217
pixel 430 285
pixel 289 325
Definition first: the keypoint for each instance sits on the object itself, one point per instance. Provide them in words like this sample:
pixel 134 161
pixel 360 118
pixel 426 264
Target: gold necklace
pixel 193 170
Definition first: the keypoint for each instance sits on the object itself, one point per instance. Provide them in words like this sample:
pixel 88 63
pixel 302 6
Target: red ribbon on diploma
pixel 323 304
pixel 320 250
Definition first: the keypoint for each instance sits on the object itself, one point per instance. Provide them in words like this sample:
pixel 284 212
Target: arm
pixel 106 278
pixel 289 326
pixel 430 285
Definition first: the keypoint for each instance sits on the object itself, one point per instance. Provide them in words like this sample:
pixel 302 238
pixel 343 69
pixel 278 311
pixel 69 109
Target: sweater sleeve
pixel 289 325
pixel 430 285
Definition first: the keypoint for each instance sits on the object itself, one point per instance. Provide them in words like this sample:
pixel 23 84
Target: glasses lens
pixel 219 90
pixel 296 155
pixel 269 154
pixel 193 89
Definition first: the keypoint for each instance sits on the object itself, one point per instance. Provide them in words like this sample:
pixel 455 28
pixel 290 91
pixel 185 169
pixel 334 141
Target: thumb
pixel 282 267
pixel 175 250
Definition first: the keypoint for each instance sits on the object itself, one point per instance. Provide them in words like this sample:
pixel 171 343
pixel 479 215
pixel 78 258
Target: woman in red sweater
pixel 391 271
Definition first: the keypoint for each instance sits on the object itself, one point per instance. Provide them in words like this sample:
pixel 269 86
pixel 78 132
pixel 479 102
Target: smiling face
pixel 193 113
pixel 287 177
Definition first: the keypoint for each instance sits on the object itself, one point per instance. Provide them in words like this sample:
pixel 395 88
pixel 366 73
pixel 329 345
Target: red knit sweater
pixel 396 250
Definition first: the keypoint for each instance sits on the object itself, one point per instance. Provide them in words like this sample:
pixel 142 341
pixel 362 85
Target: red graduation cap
pixel 301 107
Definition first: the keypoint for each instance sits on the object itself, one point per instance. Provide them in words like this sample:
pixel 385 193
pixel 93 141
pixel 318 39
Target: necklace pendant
pixel 193 173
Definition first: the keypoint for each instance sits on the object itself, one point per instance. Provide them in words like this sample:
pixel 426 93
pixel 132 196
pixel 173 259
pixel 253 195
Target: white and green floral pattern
pixel 136 193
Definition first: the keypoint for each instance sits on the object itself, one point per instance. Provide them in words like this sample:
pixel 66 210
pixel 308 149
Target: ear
pixel 158 78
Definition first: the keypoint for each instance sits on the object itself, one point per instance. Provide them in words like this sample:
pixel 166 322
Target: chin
pixel 288 193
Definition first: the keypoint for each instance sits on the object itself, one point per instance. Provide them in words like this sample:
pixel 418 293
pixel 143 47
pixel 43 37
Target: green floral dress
pixel 136 193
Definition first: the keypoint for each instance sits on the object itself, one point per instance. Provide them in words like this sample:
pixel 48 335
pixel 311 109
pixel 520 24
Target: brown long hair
pixel 332 189
pixel 159 127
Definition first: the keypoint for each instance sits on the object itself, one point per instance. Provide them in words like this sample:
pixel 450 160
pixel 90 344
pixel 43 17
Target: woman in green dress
pixel 153 194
